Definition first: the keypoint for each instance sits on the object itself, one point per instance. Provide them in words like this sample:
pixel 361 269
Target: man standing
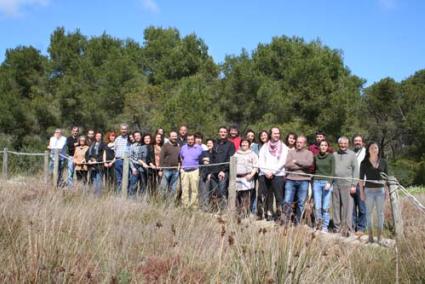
pixel 271 163
pixel 169 157
pixel 57 145
pixel 346 173
pixel 219 177
pixel 359 210
pixel 139 162
pixel 90 136
pixel 122 147
pixel 190 155
pixel 298 163
pixel 182 139
pixel 71 143
pixel 234 137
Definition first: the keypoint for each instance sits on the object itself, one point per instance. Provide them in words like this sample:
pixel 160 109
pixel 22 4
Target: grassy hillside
pixel 48 236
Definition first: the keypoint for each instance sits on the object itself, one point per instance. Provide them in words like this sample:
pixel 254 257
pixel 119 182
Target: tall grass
pixel 64 236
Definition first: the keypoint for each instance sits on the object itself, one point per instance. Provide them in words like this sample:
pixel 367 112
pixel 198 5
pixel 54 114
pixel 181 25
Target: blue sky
pixel 379 38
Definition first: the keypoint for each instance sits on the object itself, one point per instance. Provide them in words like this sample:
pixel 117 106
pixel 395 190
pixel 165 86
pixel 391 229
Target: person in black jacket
pixel 219 175
pixel 94 158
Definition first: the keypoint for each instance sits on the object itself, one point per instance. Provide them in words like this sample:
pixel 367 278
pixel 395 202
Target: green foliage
pixel 170 79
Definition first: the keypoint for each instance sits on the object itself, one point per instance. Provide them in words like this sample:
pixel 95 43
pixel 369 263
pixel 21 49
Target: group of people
pixel 273 177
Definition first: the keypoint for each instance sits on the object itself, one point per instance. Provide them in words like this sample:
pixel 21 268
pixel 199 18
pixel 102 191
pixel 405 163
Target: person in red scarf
pixel 271 162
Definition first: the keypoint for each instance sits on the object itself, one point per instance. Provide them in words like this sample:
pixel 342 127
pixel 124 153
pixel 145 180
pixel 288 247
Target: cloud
pixel 149 5
pixel 14 8
pixel 387 4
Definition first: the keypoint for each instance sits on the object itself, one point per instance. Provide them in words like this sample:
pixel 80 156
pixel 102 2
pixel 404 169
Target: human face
pixel 343 144
pixel 131 138
pixel 300 144
pixel 75 131
pixel 90 134
pixel 198 140
pixel 373 150
pixel 58 133
pixel 222 133
pixel 245 146
pixel 233 132
pixel 275 135
pixel 291 140
pixel 320 138
pixel 112 138
pixel 123 130
pixel 250 136
pixel 82 141
pixel 137 137
pixel 264 137
pixel 190 140
pixel 210 145
pixel 358 142
pixel 160 131
pixel 147 140
pixel 323 147
pixel 158 139
pixel 183 131
pixel 98 137
pixel 173 137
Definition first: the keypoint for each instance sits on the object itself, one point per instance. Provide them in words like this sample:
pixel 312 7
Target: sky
pixel 378 38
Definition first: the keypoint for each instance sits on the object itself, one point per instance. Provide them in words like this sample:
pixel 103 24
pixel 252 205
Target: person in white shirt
pixel 57 144
pixel 271 162
pixel 359 208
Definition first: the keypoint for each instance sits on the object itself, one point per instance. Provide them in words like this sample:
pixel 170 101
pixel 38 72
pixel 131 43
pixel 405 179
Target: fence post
pixel 5 157
pixel 125 175
pixel 232 184
pixel 395 208
pixel 56 168
pixel 46 167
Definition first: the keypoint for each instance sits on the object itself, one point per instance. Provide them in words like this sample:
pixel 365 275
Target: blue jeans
pixel 298 189
pixel 169 180
pixel 118 167
pixel 359 212
pixel 322 199
pixel 70 167
pixel 141 178
pixel 375 197
pixel 96 178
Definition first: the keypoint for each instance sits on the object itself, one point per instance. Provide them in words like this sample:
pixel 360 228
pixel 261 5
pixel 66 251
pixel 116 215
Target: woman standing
pixel 149 172
pixel 246 168
pixel 373 190
pixel 80 159
pixel 290 140
pixel 322 187
pixel 109 159
pixel 157 146
pixel 94 158
pixel 263 138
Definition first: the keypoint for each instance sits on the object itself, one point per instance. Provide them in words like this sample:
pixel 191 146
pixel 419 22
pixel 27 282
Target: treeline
pixel 171 79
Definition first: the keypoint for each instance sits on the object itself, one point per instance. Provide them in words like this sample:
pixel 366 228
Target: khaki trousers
pixel 190 184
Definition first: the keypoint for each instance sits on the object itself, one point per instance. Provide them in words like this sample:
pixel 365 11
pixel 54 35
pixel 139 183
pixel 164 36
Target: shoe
pixel 359 234
pixel 259 218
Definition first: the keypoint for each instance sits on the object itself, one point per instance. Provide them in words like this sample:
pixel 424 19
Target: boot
pixel 379 235
pixel 370 233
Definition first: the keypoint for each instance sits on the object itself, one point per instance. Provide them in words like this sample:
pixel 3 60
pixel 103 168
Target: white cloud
pixel 14 8
pixel 149 5
pixel 387 4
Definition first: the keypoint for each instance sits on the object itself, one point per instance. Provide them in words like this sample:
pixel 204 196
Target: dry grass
pixel 48 236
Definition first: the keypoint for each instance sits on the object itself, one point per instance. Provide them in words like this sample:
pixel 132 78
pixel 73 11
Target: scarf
pixel 275 148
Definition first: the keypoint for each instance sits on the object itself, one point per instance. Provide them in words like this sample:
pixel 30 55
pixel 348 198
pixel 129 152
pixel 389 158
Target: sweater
pixel 346 166
pixel 368 172
pixel 325 166
pixel 169 156
pixel 80 158
pixel 246 163
pixel 269 163
pixel 303 161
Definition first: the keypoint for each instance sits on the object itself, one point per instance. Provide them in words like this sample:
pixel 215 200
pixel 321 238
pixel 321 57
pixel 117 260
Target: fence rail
pixel 392 181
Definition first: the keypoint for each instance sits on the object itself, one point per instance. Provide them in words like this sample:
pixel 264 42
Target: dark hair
pixel 190 134
pixel 287 137
pixel 135 132
pixel 223 127
pixel 199 135
pixel 358 135
pixel 326 141
pixel 270 131
pixel 210 139
pixel 162 139
pixel 147 135
pixel 234 127
pixel 320 132
pixel 259 136
pixel 243 140
pixel 367 156
pixel 250 131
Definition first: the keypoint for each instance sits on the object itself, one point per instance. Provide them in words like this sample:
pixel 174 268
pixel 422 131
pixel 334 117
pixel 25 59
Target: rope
pixel 24 153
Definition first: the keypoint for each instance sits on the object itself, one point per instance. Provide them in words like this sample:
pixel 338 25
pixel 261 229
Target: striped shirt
pixel 122 145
